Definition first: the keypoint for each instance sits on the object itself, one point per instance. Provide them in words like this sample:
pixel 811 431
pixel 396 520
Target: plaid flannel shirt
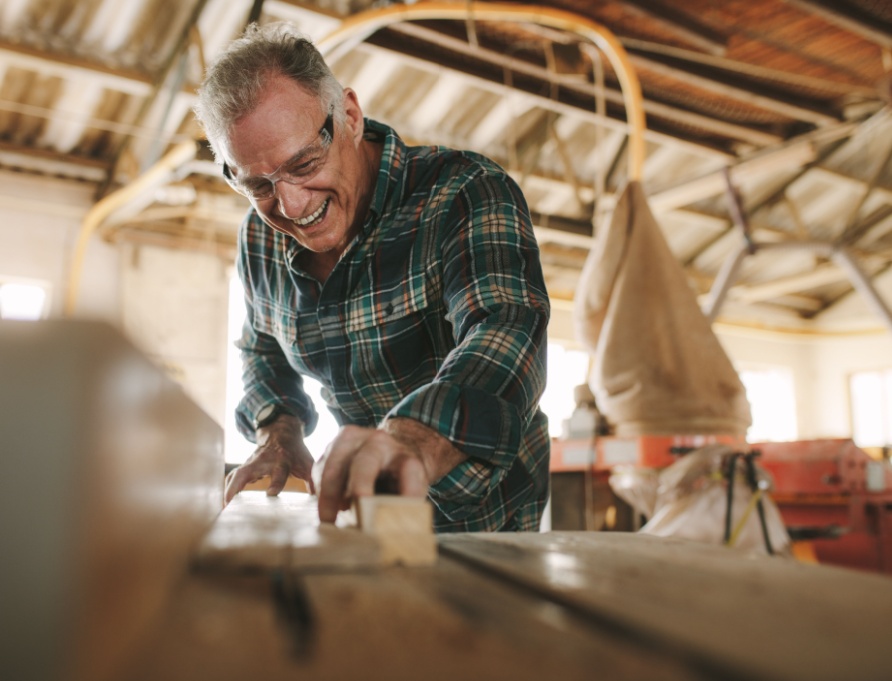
pixel 437 311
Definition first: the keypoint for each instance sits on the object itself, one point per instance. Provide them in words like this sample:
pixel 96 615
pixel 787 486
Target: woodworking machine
pixel 119 565
pixel 836 501
pixel 834 496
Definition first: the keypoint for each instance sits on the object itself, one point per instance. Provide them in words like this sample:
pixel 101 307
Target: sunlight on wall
pixel 566 370
pixel 871 405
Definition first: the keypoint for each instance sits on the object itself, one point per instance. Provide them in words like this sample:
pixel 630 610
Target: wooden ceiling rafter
pixel 692 32
pixel 160 80
pixel 719 84
pixel 654 109
pixel 745 69
pixel 849 17
pixel 42 61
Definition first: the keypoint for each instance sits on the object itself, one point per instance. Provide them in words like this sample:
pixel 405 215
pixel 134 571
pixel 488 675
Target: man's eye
pixel 259 187
pixel 303 167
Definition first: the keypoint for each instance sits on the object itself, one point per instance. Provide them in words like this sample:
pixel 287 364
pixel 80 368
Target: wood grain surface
pixel 439 623
pixel 749 617
pixel 257 532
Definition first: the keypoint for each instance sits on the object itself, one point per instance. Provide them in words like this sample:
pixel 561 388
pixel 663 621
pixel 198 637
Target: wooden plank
pixel 403 527
pixel 438 623
pixel 257 532
pixel 766 618
pixel 118 476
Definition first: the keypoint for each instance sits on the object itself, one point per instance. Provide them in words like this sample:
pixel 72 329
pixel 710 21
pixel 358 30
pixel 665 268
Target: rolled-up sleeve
pixel 486 393
pixel 268 377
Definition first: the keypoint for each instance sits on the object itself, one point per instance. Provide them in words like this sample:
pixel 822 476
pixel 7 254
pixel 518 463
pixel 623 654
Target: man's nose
pixel 291 198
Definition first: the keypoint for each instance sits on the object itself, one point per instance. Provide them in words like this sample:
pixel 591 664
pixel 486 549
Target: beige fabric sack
pixel 658 368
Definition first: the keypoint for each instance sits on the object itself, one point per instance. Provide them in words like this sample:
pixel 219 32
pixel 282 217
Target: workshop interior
pixel 710 187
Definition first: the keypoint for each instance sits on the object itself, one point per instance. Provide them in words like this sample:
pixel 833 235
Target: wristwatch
pixel 267 414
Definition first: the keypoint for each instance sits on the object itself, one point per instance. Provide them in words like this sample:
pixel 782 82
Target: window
pixel 771 394
pixel 237 449
pixel 20 300
pixel 566 370
pixel 871 406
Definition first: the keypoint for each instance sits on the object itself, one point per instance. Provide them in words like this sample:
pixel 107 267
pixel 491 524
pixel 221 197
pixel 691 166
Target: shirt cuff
pixel 477 422
pixel 259 399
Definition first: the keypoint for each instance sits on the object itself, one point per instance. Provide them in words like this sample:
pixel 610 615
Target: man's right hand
pixel 280 452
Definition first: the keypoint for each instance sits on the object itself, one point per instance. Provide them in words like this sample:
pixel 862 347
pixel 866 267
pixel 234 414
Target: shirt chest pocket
pixel 298 334
pixel 381 308
pixel 389 344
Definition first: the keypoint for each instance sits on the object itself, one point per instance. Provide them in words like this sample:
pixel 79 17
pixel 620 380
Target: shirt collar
pixel 390 171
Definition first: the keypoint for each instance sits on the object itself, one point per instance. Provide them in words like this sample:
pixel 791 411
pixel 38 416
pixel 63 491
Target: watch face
pixel 265 414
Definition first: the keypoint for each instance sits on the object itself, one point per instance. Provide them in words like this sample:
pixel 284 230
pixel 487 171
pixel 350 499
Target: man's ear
pixel 353 115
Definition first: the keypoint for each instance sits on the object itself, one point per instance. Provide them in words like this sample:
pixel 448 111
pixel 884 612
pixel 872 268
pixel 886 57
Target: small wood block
pixel 403 527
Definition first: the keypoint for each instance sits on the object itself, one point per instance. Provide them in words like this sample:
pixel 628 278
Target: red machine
pixel 833 495
pixel 836 501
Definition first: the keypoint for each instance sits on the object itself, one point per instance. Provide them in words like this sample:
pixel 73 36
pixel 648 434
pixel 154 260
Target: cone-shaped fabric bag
pixel 658 368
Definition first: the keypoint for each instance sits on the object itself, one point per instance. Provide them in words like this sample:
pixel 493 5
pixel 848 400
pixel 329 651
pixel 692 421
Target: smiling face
pixel 324 211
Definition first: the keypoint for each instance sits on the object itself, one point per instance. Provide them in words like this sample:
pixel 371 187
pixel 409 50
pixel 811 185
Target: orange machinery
pixel 830 493
pixel 833 495
pixel 646 451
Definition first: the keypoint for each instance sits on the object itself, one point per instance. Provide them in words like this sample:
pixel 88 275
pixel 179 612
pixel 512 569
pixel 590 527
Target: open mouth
pixel 315 217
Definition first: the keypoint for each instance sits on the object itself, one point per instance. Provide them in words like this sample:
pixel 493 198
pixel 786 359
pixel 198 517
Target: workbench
pixel 274 596
pixel 118 565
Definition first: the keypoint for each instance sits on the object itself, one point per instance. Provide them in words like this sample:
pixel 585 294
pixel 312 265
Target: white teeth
pixel 303 222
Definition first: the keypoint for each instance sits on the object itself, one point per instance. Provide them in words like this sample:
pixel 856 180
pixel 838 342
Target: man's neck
pixel 318 265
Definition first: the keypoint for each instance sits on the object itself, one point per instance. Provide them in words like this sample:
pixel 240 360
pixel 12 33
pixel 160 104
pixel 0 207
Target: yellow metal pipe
pixel 154 176
pixel 360 26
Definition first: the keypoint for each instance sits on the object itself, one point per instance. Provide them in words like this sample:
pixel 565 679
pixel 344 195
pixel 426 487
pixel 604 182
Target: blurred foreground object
pixel 110 476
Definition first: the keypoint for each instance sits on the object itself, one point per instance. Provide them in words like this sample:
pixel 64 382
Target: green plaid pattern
pixel 437 312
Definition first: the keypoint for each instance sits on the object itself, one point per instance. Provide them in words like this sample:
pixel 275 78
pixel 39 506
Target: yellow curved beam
pixel 154 176
pixel 360 26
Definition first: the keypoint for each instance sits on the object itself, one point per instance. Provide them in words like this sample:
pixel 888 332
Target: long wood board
pixel 437 623
pixel 764 618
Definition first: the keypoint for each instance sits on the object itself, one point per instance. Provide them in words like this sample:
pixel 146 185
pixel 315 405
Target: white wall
pixel 751 350
pixel 837 360
pixel 40 219
pixel 171 304
pixel 175 309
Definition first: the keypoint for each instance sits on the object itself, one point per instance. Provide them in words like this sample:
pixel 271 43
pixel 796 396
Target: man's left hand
pixel 280 452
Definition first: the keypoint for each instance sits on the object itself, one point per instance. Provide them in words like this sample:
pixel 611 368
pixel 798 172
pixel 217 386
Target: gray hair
pixel 235 81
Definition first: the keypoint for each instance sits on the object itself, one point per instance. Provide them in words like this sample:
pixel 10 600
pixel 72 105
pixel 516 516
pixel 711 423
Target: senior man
pixel 405 279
